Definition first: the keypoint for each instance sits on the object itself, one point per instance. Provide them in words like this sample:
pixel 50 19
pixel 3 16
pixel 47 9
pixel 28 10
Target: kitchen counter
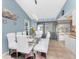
pixel 70 41
pixel 70 44
pixel 70 34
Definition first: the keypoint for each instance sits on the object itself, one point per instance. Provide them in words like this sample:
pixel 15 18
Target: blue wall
pixel 34 24
pixel 70 5
pixel 10 26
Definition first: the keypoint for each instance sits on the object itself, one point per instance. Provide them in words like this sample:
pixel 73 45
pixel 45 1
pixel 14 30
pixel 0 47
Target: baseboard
pixel 6 53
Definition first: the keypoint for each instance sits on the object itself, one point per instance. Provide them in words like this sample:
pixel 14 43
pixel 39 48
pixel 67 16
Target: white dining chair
pixel 24 32
pixel 23 45
pixel 38 34
pixel 12 44
pixel 42 45
pixel 48 35
pixel 19 33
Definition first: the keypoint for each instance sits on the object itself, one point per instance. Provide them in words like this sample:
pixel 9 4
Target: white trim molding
pixel 6 53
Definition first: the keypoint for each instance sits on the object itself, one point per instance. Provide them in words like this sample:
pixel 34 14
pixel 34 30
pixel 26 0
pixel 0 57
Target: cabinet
pixel 70 43
pixel 74 21
pixel 74 18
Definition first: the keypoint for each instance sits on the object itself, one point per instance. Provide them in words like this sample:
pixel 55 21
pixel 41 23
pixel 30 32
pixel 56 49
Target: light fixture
pixel 36 2
pixel 35 17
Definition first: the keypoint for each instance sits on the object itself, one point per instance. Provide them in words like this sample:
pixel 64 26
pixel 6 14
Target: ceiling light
pixel 36 2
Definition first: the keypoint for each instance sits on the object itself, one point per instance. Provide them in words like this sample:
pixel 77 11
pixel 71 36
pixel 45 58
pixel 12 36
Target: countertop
pixel 70 34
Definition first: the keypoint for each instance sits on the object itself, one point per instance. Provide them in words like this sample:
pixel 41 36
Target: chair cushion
pixel 53 35
pixel 43 35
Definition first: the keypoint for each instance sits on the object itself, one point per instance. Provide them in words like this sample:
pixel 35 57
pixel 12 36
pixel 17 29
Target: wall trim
pixel 6 53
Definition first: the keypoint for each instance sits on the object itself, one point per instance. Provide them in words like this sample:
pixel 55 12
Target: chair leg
pixel 9 52
pixel 25 56
pixel 34 56
pixel 16 54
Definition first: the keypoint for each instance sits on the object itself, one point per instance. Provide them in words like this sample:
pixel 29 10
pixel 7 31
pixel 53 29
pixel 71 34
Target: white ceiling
pixel 45 9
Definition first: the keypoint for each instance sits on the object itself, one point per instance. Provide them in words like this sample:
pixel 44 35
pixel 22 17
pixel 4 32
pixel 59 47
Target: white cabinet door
pixel 74 17
pixel 70 43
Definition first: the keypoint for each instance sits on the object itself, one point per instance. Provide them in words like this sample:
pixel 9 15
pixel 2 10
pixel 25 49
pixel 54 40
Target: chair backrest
pixel 11 36
pixel 24 32
pixel 48 35
pixel 22 42
pixel 19 33
pixel 38 34
pixel 11 40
